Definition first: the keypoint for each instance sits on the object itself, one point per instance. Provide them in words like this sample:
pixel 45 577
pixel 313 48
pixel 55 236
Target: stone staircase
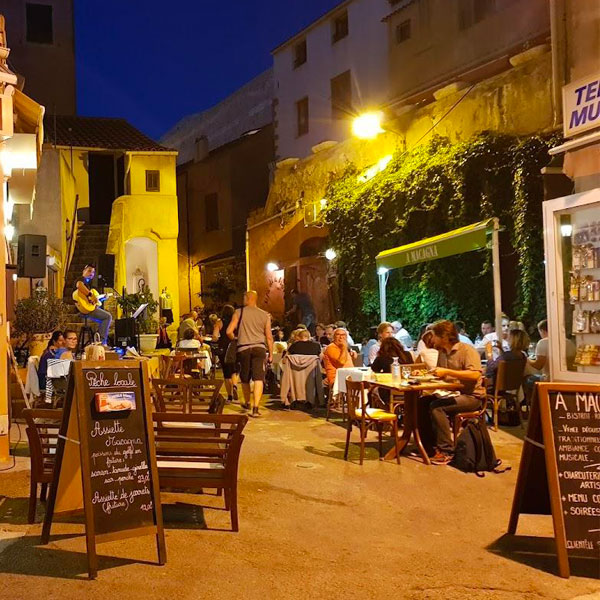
pixel 90 243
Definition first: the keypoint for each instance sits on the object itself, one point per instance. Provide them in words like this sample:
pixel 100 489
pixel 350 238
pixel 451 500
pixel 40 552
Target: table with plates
pixel 412 394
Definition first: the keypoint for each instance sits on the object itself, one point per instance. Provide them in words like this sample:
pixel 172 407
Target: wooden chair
pixel 171 395
pixel 204 396
pixel 460 418
pixel 200 451
pixel 173 366
pixel 363 416
pixel 509 378
pixel 42 432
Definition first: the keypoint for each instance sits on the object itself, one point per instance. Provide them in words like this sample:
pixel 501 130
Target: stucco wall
pixel 140 163
pixel 518 101
pixel 325 61
pixel 438 47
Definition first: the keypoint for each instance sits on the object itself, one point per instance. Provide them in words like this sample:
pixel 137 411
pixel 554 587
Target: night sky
pixel 153 62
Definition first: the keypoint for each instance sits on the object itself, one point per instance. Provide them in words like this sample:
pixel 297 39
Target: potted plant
pixel 37 317
pixel 146 322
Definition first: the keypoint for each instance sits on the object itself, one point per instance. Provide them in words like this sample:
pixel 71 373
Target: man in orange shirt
pixel 337 355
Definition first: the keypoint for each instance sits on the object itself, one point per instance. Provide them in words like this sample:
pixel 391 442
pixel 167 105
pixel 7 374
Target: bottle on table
pixel 395 369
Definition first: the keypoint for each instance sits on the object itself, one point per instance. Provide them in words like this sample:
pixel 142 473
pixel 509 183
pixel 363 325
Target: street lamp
pixel 368 125
pixel 272 267
pixel 9 232
pixel 330 254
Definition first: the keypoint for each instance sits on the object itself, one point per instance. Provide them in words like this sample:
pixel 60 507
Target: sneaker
pixel 441 458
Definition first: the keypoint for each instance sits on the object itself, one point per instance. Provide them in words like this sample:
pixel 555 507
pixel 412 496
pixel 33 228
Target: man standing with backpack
pixel 458 361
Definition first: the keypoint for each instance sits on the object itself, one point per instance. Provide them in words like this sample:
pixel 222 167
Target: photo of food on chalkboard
pixel 114 401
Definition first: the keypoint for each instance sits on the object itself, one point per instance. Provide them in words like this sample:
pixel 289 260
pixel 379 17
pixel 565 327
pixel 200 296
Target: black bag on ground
pixel 474 452
pixel 271 384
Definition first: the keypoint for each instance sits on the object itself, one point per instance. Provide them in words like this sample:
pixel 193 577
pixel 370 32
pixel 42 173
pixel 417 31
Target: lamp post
pixel 383 274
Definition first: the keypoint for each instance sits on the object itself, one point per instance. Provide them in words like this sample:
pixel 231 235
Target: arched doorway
pixel 141 265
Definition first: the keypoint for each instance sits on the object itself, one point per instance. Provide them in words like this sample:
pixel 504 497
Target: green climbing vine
pixel 435 188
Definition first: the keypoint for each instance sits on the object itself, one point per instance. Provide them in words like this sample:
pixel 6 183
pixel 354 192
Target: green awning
pixel 465 239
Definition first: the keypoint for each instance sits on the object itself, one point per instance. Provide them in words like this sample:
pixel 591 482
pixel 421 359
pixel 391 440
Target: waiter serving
pixel 87 300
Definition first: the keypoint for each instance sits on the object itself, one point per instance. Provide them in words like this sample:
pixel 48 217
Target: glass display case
pixel 572 249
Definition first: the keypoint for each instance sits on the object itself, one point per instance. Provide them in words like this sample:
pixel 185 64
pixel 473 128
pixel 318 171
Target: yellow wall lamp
pixel 368 125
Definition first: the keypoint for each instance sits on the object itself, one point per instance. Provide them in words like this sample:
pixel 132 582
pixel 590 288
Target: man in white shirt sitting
pixel 489 346
pixel 542 352
pixel 402 335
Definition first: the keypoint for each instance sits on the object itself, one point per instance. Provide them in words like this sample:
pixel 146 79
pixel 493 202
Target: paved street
pixel 312 526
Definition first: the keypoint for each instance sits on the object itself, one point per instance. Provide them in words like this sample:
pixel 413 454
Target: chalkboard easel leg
pixel 92 557
pixel 162 548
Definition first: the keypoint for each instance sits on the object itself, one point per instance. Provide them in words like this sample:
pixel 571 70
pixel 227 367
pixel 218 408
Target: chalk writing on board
pixel 576 427
pixel 98 380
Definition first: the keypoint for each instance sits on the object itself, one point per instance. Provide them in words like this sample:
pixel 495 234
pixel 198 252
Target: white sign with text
pixel 581 105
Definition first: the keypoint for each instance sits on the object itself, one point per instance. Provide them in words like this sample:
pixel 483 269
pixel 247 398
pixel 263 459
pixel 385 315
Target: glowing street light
pixel 272 267
pixel 9 232
pixel 330 254
pixel 368 125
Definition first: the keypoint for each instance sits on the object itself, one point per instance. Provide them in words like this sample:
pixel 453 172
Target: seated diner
pixel 460 362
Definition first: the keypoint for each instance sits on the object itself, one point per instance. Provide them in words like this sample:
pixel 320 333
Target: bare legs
pixel 252 398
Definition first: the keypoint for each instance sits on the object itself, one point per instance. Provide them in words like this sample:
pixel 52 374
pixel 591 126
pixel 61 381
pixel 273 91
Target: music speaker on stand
pixel 31 256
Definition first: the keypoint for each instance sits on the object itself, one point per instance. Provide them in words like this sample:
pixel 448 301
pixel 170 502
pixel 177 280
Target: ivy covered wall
pixel 437 187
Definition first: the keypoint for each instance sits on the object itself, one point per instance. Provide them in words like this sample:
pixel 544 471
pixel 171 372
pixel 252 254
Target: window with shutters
pixel 39 27
pixel 211 212
pixel 302 116
pixel 341 96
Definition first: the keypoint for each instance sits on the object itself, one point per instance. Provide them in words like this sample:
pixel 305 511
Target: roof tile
pixel 97 132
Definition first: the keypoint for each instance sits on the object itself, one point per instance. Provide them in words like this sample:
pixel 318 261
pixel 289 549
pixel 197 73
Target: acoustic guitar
pixel 84 304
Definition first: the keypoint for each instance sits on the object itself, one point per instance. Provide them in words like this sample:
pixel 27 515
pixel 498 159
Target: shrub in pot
pixel 147 322
pixel 37 317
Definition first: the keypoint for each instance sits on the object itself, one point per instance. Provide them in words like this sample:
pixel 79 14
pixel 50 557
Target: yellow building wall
pixel 136 216
pixel 137 166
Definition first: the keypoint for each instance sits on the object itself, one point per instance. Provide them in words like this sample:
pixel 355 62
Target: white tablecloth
pixel 355 374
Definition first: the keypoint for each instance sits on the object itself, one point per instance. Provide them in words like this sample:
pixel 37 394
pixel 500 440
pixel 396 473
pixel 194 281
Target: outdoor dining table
pixel 412 394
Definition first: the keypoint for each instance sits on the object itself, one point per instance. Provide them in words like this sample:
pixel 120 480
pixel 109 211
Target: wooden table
pixel 412 393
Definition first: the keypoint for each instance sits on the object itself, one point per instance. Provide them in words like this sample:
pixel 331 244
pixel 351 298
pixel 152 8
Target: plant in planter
pixel 147 323
pixel 37 317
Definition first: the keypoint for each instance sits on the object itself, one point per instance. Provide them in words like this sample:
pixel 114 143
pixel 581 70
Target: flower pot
pixel 148 342
pixel 38 343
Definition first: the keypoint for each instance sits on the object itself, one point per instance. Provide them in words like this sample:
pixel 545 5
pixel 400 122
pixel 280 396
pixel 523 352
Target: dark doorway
pixel 101 174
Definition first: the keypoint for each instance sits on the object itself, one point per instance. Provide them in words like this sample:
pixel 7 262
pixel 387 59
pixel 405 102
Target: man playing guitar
pixel 88 302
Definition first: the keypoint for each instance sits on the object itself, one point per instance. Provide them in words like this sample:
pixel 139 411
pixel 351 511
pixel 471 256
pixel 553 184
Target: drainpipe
pixel 558 19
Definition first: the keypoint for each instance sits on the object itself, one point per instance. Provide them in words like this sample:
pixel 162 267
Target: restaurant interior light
pixel 382 270
pixel 367 125
pixel 272 267
pixel 9 232
pixel 330 254
pixel 566 229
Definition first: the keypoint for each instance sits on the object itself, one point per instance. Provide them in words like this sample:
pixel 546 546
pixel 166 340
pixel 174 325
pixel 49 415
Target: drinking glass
pixel 406 372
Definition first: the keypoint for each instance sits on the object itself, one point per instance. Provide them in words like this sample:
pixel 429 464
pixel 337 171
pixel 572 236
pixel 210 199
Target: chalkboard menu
pixel 559 472
pixel 576 428
pixel 106 461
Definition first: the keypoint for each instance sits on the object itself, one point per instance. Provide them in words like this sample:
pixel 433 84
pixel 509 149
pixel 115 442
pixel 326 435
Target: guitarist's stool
pixel 86 335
